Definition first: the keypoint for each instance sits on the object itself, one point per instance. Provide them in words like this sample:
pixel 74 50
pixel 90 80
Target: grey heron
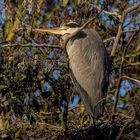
pixel 88 65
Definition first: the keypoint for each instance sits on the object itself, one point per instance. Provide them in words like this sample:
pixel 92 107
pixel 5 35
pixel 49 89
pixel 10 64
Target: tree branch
pixel 118 35
pixel 132 30
pixel 128 56
pixel 30 44
pixel 130 78
pixel 121 26
pixel 108 13
pixel 108 39
pixel 134 64
pixel 124 127
pixel 132 8
pixel 120 76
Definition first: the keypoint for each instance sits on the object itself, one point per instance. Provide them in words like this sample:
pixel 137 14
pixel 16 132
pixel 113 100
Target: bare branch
pixel 30 44
pixel 111 38
pixel 127 56
pixel 118 35
pixel 50 125
pixel 134 64
pixel 120 76
pixel 130 78
pixel 133 7
pixel 108 13
pixel 124 127
pixel 133 30
pixel 128 65
pixel 121 26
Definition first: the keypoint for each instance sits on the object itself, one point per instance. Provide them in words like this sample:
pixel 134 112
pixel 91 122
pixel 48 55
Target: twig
pixel 120 76
pixel 30 44
pixel 130 78
pixel 108 13
pixel 124 127
pixel 123 115
pixel 132 8
pixel 129 64
pixel 132 30
pixel 131 21
pixel 133 64
pixel 50 125
pixel 111 38
pixel 127 123
pixel 128 56
pixel 118 35
pixel 121 26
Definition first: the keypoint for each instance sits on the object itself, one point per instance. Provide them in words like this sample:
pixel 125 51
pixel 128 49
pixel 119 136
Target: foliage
pixel 34 79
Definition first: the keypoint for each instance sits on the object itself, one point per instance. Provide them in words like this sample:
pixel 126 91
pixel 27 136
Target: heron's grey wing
pixel 87 63
pixel 83 93
pixel 99 63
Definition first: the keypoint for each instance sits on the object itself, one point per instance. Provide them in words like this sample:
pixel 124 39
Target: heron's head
pixel 68 28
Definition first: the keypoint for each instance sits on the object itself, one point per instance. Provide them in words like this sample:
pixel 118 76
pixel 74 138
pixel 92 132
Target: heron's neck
pixel 64 40
pixel 65 37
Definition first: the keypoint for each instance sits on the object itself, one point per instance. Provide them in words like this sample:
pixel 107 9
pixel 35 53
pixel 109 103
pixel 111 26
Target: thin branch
pixel 128 56
pixel 131 64
pixel 30 44
pixel 130 21
pixel 128 65
pixel 111 38
pixel 50 125
pixel 124 127
pixel 108 13
pixel 123 115
pixel 133 30
pixel 134 64
pixel 130 78
pixel 120 76
pixel 118 35
pixel 132 8
pixel 121 26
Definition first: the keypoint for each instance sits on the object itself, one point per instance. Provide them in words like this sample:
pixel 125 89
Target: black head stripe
pixel 72 25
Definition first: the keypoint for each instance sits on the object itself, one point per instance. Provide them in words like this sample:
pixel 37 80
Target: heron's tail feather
pixel 98 104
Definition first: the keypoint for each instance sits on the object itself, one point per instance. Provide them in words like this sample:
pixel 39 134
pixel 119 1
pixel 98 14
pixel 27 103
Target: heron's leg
pixel 92 121
pixel 65 113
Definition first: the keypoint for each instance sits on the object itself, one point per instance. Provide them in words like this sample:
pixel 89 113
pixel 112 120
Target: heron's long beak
pixel 53 31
